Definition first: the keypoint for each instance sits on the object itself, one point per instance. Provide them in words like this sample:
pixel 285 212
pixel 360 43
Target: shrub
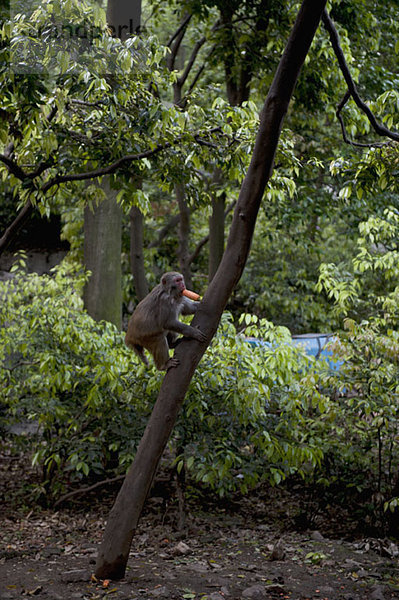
pixel 363 454
pixel 71 377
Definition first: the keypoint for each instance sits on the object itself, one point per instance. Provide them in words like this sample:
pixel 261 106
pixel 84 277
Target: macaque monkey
pixel 155 324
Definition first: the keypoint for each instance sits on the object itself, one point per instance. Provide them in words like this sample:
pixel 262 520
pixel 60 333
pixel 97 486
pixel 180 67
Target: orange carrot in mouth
pixel 191 295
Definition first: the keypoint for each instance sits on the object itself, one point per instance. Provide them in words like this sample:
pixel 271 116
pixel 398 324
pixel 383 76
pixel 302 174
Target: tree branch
pixel 185 21
pixel 194 81
pixel 187 70
pixel 181 80
pixel 122 161
pixel 198 249
pixel 199 72
pixel 16 170
pixel 201 142
pixel 89 488
pixel 345 137
pixel 13 167
pixel 352 89
pixel 27 210
pixel 176 42
pixel 106 170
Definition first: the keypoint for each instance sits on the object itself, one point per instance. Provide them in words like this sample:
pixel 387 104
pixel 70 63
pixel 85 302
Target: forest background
pixel 139 150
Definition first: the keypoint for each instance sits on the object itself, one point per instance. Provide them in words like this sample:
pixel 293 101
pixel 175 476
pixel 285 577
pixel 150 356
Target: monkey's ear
pixel 163 279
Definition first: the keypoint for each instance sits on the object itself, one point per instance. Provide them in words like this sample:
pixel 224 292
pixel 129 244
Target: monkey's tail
pixel 139 350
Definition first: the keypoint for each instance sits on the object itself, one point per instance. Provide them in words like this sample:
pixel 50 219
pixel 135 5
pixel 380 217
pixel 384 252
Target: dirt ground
pixel 249 549
pixel 223 554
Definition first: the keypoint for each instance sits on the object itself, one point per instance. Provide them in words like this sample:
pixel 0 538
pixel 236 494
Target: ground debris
pixel 181 549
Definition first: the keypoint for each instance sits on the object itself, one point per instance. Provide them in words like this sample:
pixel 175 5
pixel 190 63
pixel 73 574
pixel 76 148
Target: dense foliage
pixel 253 413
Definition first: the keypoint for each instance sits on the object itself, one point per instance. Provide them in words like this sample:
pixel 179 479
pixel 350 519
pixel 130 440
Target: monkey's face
pixel 178 283
pixel 173 283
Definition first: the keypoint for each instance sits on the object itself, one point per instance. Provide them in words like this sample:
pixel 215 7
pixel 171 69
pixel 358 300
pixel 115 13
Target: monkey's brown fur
pixel 155 324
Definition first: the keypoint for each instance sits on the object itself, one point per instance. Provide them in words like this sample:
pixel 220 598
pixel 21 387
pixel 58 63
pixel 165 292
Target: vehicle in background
pixel 314 344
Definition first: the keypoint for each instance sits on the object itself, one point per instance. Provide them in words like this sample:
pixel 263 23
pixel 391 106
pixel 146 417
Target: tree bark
pixel 137 252
pixel 123 519
pixel 102 257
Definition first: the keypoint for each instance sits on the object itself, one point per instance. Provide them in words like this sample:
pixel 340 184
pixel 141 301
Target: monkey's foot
pixel 172 362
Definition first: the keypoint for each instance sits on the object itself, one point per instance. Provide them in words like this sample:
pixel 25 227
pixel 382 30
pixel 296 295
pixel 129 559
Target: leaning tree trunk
pixel 102 257
pixel 124 516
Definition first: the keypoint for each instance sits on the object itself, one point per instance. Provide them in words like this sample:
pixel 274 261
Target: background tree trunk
pixel 216 234
pixel 216 225
pixel 103 225
pixel 183 254
pixel 124 516
pixel 238 77
pixel 102 256
pixel 184 234
pixel 137 252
